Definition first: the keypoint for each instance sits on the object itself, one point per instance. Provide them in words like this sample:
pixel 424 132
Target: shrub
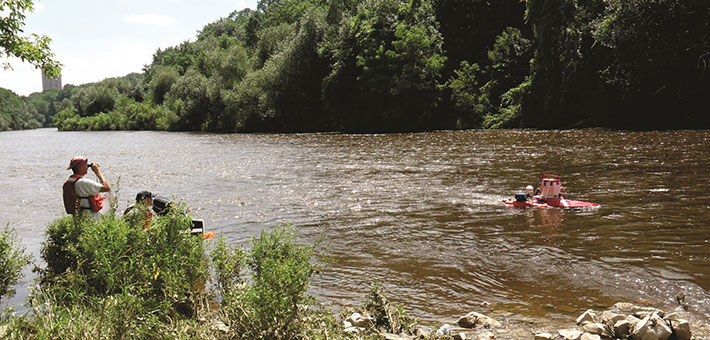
pixel 89 258
pixel 113 279
pixel 12 260
pixel 275 305
pixel 229 263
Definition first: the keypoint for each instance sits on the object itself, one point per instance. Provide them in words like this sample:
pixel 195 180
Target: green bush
pixel 89 258
pixel 12 260
pixel 275 305
pixel 229 263
pixel 115 278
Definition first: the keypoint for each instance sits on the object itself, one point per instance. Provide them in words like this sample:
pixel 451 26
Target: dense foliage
pixel 12 260
pixel 410 65
pixel 118 278
pixel 36 50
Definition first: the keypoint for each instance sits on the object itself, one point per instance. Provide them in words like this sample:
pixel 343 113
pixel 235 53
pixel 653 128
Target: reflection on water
pixel 421 213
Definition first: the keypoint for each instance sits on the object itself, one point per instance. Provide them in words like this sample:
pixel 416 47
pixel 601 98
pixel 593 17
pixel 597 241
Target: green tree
pixel 288 95
pixel 36 51
pixel 163 78
pixel 657 55
pixel 189 99
pixel 16 114
pixel 387 66
pixel 470 27
pixel 94 99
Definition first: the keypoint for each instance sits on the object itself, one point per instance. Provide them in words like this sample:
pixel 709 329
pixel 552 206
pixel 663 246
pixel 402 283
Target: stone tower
pixel 51 83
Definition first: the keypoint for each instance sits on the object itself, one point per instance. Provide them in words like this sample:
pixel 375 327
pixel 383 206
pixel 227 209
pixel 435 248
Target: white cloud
pixel 150 19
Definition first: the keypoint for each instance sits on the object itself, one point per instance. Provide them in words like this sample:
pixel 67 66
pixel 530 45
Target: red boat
pixel 549 195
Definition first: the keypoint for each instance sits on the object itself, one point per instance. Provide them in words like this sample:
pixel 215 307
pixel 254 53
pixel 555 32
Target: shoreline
pixel 620 321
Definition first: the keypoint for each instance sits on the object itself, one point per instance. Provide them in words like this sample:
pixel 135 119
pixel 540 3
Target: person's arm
pixel 96 168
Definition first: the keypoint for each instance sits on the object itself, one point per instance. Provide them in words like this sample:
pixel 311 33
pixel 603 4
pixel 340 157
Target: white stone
pixel 354 330
pixel 611 318
pixel 681 327
pixel 459 336
pixel 390 336
pixel 424 332
pixel 359 320
pixel 486 336
pixel 571 334
pixel 588 316
pixel 622 328
pixel 488 322
pixel 594 328
pixel 544 336
pixel 472 319
pixel 652 327
pixel 624 306
pixel 642 312
pixel 632 320
pixel 587 336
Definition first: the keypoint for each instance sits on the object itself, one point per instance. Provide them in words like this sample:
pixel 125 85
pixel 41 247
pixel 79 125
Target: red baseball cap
pixel 76 161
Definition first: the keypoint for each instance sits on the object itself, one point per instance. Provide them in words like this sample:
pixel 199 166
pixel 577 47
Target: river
pixel 421 213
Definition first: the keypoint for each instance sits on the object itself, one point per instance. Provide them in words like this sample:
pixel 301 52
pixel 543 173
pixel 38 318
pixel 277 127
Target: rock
pixel 642 312
pixel 624 306
pixel 571 334
pixel 633 320
pixel 587 336
pixel 354 330
pixel 359 320
pixel 593 328
pixel 544 336
pixel 652 327
pixel 468 320
pixel 681 328
pixel 488 322
pixel 486 336
pixel 588 316
pixel 459 336
pixel 424 332
pixel 622 328
pixel 611 318
pixel 472 319
pixel 390 336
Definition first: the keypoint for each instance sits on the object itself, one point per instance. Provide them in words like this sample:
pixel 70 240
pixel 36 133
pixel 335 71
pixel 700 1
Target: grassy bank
pixel 115 279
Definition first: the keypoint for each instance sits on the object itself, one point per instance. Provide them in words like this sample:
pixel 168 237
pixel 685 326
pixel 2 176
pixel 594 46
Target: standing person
pixel 81 195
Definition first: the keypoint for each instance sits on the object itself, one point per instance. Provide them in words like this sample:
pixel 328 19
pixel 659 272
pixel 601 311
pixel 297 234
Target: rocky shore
pixel 621 321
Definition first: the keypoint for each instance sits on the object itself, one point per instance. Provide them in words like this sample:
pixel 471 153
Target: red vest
pixel 71 200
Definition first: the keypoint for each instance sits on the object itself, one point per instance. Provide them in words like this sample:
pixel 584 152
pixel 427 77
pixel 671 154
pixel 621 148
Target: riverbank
pixel 620 321
pixel 111 279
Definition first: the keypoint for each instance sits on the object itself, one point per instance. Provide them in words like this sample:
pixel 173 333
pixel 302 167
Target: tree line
pixel 411 65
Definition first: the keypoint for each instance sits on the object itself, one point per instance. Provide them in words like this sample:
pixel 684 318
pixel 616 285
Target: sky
pixel 100 39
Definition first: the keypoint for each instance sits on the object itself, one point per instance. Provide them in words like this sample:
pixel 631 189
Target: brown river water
pixel 420 213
